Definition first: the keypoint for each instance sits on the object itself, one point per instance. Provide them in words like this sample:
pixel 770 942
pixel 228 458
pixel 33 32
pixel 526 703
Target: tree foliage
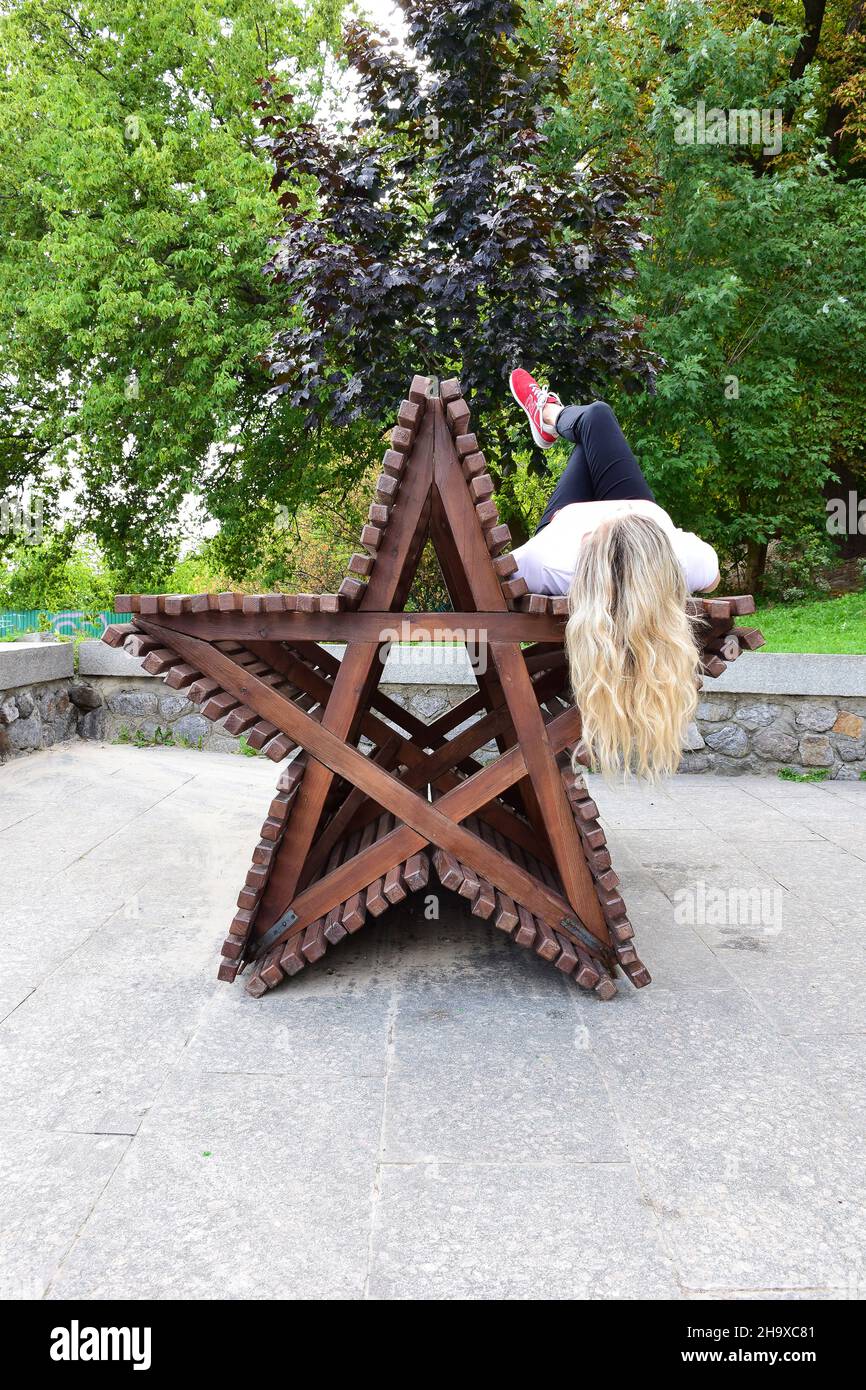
pixel 448 235
pixel 753 285
pixel 509 188
pixel 135 216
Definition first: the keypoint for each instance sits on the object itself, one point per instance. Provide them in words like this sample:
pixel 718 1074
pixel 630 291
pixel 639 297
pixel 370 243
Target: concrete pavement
pixel 430 1112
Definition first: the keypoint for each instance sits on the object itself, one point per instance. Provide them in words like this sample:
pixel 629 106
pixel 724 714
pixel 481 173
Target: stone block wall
pixel 133 707
pixel 115 709
pixel 737 732
pixel 36 717
pixel 154 712
pixel 781 722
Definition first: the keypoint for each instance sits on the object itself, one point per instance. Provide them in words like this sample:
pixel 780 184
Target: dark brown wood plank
pixel 356 673
pixel 516 684
pixel 369 624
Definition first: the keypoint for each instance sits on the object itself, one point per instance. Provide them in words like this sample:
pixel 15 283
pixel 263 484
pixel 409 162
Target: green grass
pixel 161 738
pixel 788 774
pixel 822 625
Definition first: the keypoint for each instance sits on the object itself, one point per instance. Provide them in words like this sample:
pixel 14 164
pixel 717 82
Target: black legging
pixel 602 467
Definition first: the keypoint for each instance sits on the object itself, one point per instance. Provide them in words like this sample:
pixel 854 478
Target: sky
pixel 386 14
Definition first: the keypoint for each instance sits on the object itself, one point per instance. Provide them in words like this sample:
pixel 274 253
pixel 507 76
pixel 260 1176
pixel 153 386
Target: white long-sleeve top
pixel 547 561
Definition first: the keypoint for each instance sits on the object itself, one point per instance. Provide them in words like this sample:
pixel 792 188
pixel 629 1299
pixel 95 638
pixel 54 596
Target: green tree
pixel 753 285
pixel 58 573
pixel 135 216
pixel 448 237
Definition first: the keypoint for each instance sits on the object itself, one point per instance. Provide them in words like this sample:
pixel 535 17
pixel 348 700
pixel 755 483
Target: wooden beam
pixel 423 822
pixel 366 625
pixel 517 687
pixel 358 672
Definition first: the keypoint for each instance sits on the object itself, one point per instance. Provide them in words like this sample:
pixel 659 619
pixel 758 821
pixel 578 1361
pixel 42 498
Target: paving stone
pixel 755 1180
pixel 457 952
pixel 483 1079
pixel 429 1092
pixel 837 1064
pixel 72 1052
pixel 510 1231
pixel 176 1221
pixel 48 1186
pixel 219 1110
pixel 667 938
pixel 826 876
pixel 12 993
pixel 751 820
pixel 855 795
pixel 791 960
pixel 321 1034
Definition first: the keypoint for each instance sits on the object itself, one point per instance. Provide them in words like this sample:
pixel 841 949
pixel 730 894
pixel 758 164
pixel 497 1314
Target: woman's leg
pixel 602 467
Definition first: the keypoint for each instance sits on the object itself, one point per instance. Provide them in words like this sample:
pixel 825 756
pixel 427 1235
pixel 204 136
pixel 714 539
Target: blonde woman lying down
pixel 627 570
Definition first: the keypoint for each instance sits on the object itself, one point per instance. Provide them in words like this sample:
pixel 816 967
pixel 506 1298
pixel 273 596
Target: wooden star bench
pixel 349 832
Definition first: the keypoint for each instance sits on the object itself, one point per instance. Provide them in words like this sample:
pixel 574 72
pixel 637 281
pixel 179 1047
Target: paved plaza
pixel 430 1112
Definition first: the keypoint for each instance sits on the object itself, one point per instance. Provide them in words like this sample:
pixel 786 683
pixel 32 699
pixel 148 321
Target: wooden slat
pixel 361 564
pixel 395 885
pixel 376 902
pixel 355 909
pixel 138 644
pixel 314 944
pixel 159 660
pixel 367 625
pixel 567 960
pixel 416 872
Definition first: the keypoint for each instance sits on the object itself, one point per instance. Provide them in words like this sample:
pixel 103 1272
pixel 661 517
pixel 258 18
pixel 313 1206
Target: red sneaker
pixel 533 398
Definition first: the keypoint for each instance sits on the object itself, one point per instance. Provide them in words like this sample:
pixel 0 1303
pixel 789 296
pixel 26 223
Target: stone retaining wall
pixel 766 713
pixel 740 732
pixel 38 697
pixel 135 709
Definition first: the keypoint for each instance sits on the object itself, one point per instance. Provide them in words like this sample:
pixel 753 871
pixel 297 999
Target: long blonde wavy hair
pixel 631 649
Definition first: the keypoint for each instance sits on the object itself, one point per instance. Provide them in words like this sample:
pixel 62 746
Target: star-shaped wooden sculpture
pixel 350 831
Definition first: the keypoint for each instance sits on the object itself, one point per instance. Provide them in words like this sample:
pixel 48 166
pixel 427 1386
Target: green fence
pixel 70 623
